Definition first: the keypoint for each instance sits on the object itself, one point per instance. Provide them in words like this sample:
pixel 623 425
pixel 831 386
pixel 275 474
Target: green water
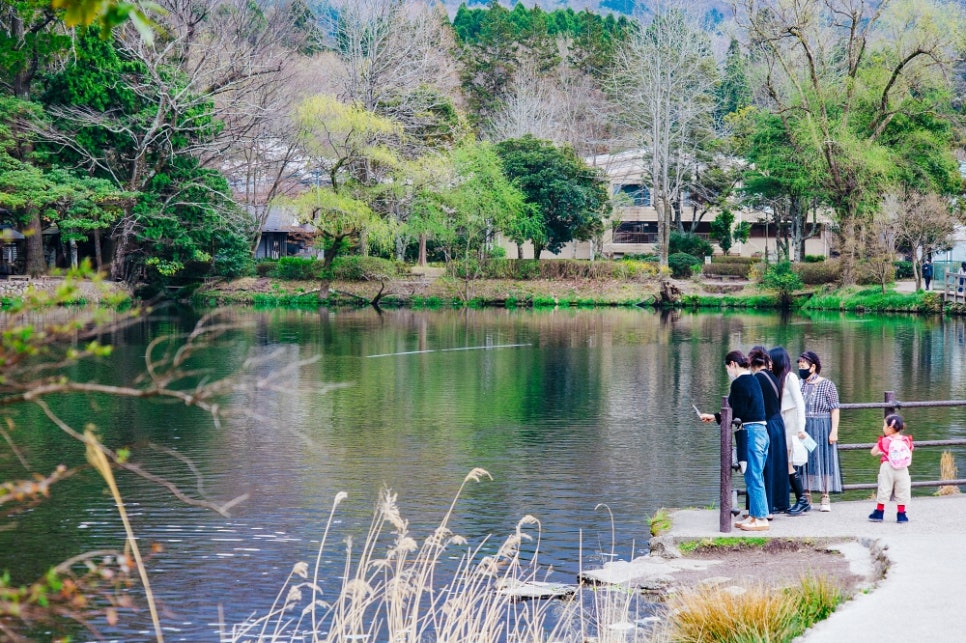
pixel 565 409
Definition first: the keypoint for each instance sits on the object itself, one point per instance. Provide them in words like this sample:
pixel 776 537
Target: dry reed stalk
pixel 947 471
pixel 404 596
pixel 98 459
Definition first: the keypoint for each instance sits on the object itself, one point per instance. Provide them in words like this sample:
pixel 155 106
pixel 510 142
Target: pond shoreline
pixel 438 292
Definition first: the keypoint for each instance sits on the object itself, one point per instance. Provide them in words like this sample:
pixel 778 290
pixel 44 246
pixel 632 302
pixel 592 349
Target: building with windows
pixel 631 228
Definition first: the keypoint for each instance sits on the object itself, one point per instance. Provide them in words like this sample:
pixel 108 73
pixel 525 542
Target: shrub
pixel 738 269
pixel 782 278
pixel 733 259
pixel 356 268
pixel 298 268
pixel 682 265
pixel 690 244
pixel 233 261
pixel 903 269
pixel 814 258
pixel 265 268
pixel 826 272
pixel 649 257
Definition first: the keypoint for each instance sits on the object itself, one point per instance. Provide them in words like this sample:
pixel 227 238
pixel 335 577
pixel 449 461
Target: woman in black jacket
pixel 746 402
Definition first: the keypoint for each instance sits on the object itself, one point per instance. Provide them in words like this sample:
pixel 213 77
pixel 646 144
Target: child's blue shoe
pixel 901 517
pixel 876 516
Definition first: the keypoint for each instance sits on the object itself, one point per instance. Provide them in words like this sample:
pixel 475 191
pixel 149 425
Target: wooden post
pixel 890 401
pixel 724 502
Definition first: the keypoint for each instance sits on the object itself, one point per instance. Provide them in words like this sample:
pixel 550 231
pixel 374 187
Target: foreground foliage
pixel 43 339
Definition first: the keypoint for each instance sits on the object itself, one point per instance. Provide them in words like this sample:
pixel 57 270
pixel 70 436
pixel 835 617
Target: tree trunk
pixel 35 245
pixel 98 253
pixel 422 250
pixel 122 248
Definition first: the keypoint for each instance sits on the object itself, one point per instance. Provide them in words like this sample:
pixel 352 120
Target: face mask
pixel 804 373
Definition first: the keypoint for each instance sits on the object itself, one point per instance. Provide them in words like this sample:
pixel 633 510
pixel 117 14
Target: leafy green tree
pixel 568 196
pixel 339 217
pixel 347 140
pixel 477 202
pixel 733 92
pixel 31 37
pixel 849 120
pixel 724 231
pixel 778 180
pixel 783 279
pixel 138 123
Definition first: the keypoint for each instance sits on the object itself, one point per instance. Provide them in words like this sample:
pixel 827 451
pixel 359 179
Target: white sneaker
pixel 755 524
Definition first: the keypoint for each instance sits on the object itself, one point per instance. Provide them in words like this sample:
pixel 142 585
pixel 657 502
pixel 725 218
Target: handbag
pixel 799 452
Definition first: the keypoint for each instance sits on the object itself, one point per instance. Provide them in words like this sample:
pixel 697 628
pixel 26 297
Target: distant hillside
pixel 597 6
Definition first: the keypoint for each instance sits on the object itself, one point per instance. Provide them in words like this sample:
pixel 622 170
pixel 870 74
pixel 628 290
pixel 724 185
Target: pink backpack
pixel 900 455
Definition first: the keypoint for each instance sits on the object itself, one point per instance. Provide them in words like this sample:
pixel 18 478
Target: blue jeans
pixel 755 473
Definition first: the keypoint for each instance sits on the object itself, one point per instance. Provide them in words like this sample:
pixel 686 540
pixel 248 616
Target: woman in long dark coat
pixel 776 464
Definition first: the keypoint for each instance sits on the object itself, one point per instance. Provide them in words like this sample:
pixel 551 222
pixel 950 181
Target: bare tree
pixel 662 85
pixel 535 105
pixel 562 105
pixel 389 49
pixel 923 224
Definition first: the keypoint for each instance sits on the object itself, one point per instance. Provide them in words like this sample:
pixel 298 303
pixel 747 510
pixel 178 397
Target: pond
pixel 582 417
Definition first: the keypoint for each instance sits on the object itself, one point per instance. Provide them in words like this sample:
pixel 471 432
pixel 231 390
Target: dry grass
pixel 947 471
pixel 731 614
pixel 403 594
pixel 749 613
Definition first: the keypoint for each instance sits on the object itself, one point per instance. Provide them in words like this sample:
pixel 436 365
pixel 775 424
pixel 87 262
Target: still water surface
pixel 579 416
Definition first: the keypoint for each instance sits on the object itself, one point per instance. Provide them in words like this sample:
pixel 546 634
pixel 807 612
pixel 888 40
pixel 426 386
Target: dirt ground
pixel 778 562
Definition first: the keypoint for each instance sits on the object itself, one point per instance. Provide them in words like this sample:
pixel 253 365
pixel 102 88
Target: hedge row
pixel 814 274
pixel 526 269
pixel 350 268
pixel 738 269
pixel 734 259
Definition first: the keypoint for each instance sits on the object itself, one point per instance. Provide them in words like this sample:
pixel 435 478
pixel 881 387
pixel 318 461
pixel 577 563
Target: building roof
pixel 282 219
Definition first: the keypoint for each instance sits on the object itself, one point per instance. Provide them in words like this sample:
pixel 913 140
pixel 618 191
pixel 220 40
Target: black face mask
pixel 804 373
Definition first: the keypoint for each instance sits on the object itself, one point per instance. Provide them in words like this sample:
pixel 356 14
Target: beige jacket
pixel 793 405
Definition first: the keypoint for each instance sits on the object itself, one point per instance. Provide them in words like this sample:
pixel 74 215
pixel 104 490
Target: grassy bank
pixel 558 293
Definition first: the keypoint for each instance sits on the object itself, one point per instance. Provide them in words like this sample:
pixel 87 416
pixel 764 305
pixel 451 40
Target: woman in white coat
pixel 793 415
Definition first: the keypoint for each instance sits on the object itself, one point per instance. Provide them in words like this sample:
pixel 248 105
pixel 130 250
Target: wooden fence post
pixel 724 502
pixel 890 402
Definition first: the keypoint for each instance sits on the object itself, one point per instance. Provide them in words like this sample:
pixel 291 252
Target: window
pixel 640 195
pixel 636 232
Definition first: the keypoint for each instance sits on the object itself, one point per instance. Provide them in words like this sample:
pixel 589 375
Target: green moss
pixel 729 542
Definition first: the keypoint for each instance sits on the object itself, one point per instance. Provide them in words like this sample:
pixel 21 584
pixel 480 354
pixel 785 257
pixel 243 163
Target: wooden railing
pixel 889 405
pixel 954 291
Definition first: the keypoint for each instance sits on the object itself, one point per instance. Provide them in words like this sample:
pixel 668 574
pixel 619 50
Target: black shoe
pixel 876 516
pixel 800 507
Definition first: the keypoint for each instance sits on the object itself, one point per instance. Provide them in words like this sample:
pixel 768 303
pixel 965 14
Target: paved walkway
pixel 924 590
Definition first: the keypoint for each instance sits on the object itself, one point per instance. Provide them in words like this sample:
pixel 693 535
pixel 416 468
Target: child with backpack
pixel 895 451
